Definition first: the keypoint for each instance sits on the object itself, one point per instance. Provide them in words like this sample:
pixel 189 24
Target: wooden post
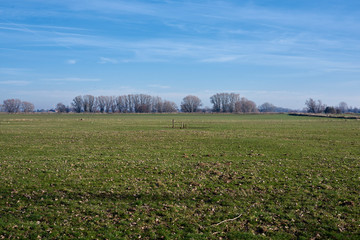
pixel 173 123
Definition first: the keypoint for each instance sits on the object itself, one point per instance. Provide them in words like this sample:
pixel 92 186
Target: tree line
pixel 16 105
pixel 143 103
pixel 131 103
pixel 316 106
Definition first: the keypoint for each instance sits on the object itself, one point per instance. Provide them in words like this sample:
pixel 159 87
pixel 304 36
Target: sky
pixel 277 51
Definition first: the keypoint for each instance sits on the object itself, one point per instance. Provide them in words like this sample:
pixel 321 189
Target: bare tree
pixel 320 107
pixel 142 103
pixel 157 105
pixel 190 103
pixel 310 105
pixel 77 104
pixel 216 101
pixel 267 107
pixel 233 99
pixel 100 101
pixel 121 103
pixel 27 107
pixel 92 103
pixel 12 105
pixel 169 106
pixel 61 108
pixel 89 103
pixel 224 102
pixel 129 103
pixel 85 104
pixel 245 106
pixel 314 107
pixel 108 102
pixel 113 104
pixel 343 107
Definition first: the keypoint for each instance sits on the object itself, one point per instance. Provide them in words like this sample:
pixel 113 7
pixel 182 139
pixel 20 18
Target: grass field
pixel 224 176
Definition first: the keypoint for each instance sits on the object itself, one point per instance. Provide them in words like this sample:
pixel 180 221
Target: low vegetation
pixel 222 176
pixel 342 116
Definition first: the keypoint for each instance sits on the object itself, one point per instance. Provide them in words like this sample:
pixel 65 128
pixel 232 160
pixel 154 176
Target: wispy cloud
pixel 271 32
pixel 303 50
pixel 13 71
pixel 71 61
pixel 15 83
pixel 221 59
pixel 109 6
pixel 73 79
pixel 104 60
pixel 279 51
pixel 37 34
pixel 159 86
pixel 181 14
pixel 33 27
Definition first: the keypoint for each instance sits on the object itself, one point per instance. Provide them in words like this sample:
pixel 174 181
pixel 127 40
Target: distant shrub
pixel 330 110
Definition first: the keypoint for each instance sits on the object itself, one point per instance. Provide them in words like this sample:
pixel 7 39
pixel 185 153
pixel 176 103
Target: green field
pixel 134 176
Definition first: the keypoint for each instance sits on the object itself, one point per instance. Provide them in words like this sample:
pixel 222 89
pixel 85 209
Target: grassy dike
pixel 126 176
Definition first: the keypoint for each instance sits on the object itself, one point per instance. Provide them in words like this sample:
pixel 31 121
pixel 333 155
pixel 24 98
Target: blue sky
pixel 277 51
